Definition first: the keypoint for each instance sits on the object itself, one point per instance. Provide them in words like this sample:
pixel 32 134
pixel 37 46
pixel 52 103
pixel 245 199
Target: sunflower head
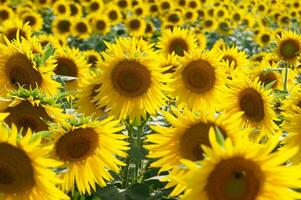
pixel 177 41
pixel 21 68
pixel 289 46
pixel 14 30
pixel 22 164
pixel 238 171
pixel 94 141
pixel 130 78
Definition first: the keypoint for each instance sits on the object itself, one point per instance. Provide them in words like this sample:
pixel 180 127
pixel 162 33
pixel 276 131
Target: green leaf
pixel 137 191
pixel 270 85
pixel 219 136
pixel 38 59
pixel 49 50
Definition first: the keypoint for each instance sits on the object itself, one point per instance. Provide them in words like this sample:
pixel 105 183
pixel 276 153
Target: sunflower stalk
pixel 285 78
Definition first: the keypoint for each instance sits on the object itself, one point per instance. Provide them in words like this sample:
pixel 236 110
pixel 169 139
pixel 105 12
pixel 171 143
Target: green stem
pixel 285 78
pixel 125 181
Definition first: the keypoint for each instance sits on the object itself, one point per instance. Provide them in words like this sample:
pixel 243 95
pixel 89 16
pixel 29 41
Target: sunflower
pixel 133 80
pixel 12 28
pixel 100 24
pixel 136 26
pixel 92 58
pixel 75 9
pixel 184 139
pixel 25 169
pixel 72 65
pixel 60 8
pixel 268 74
pixel 86 102
pixel 292 103
pixel 149 30
pixel 34 20
pixel 95 6
pixel 123 4
pixel 30 112
pixel 6 13
pixel 234 59
pixel 153 9
pixel 245 95
pixel 113 13
pixel 173 18
pixel 61 27
pixel 42 4
pixel 289 47
pixel 140 10
pixel 196 81
pixel 18 67
pixel 178 41
pixel 81 28
pixel 209 24
pixel 264 37
pixel 98 146
pixel 243 170
pixel 224 27
pixel 165 6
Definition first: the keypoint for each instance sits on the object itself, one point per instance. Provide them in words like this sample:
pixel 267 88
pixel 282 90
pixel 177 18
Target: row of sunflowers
pixel 150 99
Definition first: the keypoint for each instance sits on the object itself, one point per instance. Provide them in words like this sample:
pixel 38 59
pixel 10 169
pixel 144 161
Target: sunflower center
pixel 174 18
pixel 94 6
pixel 66 67
pixel 100 25
pixel 131 78
pixel 64 26
pixel 289 48
pixel 20 71
pixel 77 145
pixel 234 179
pixel 81 27
pixel 178 46
pixel 230 60
pixel 192 139
pixel 265 38
pixel 251 102
pixel 61 9
pixel 16 171
pixel 12 34
pixel 73 9
pixel 4 15
pixel 199 76
pixel 268 77
pixel 113 15
pixel 122 3
pixel 208 23
pixel 27 116
pixel 92 60
pixel 31 20
pixel 135 24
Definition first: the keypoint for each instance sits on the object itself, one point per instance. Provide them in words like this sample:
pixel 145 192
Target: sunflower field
pixel 150 99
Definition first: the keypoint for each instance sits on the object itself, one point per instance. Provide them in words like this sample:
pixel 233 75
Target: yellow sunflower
pixel 95 6
pixel 71 66
pixel 196 81
pixel 14 29
pixel 61 27
pixel 184 139
pixel 75 9
pixel 264 37
pixel 6 13
pixel 81 28
pixel 243 170
pixel 132 82
pixel 100 24
pixel 136 26
pixel 28 110
pixel 245 95
pixel 98 147
pixel 26 172
pixel 60 8
pixel 292 103
pixel 113 13
pixel 92 58
pixel 234 59
pixel 178 41
pixel 34 20
pixel 289 47
pixel 19 67
pixel 86 102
